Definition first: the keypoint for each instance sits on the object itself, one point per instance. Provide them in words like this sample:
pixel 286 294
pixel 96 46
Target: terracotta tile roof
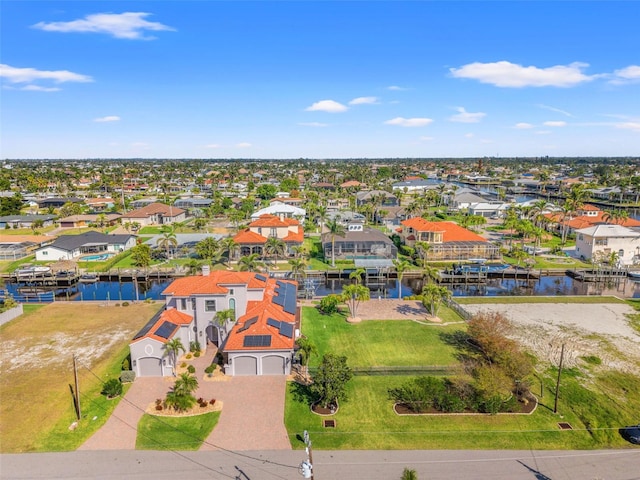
pixel 153 209
pixel 268 220
pixel 588 207
pixel 247 236
pixel 294 237
pixel 452 231
pixel 211 284
pixel 350 183
pixel 262 310
pixel 171 318
pixel 585 221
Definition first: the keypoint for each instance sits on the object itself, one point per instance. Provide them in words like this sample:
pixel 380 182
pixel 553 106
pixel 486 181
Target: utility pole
pixel 306 467
pixel 555 404
pixel 77 388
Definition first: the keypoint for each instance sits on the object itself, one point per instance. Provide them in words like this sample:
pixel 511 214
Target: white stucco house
pixel 281 210
pixel 69 247
pixel 258 341
pixel 603 239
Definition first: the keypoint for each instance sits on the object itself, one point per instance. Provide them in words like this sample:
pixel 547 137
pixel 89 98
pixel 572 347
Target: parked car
pixel 631 434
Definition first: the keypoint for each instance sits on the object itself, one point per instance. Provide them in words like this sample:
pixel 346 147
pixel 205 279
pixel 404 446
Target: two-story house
pixel 155 214
pixel 600 241
pixel 259 340
pixel 447 240
pixel 252 239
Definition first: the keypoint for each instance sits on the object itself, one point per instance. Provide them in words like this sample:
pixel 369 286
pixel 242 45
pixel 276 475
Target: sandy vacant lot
pixel 594 329
pixel 36 367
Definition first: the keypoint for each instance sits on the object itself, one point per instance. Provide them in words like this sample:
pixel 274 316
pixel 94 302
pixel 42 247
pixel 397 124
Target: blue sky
pixel 330 79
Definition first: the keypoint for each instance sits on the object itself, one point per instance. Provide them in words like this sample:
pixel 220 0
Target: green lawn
pixel 558 299
pixel 366 419
pixel 174 433
pixel 378 342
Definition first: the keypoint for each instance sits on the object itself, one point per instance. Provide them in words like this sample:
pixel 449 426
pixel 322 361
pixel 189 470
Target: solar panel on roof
pixel 273 323
pixel 257 341
pixel 144 330
pixel 166 329
pixel 290 301
pixel 286 329
pixel 247 324
pixel 262 278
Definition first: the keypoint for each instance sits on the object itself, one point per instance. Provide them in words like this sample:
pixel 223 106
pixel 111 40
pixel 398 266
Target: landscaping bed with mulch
pixel 525 409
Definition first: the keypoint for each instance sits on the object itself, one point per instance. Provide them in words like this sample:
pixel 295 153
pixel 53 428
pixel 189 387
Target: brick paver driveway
pixel 252 414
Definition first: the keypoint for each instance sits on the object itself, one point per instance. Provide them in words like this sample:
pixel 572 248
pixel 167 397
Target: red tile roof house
pixel 155 214
pixel 260 341
pixel 448 240
pixel 588 216
pixel 252 239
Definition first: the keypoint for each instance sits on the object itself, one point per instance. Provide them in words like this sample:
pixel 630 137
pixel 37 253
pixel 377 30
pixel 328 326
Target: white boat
pixel 33 271
pixel 634 275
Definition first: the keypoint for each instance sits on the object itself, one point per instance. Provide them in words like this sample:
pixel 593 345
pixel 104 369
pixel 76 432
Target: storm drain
pixel 565 426
pixel 329 423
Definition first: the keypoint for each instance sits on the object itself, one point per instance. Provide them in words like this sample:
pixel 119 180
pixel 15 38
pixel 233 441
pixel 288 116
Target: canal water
pixel 551 286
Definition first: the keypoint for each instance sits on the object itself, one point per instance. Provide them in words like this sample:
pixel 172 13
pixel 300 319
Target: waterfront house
pixel 600 241
pixel 258 340
pixel 255 236
pixel 70 247
pixel 447 240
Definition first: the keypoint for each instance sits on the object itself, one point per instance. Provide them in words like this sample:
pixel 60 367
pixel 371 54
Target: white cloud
pixel 466 117
pixel 212 145
pixel 633 126
pixel 38 88
pixel 554 109
pixel 409 122
pixel 555 124
pixel 28 75
pixel 396 88
pixel 522 126
pixel 108 118
pixel 127 25
pixel 243 145
pixel 329 106
pixel 364 101
pixel 313 124
pixel 628 74
pixel 507 74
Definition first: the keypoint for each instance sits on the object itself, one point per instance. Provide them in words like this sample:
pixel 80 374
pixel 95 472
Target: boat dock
pixel 598 275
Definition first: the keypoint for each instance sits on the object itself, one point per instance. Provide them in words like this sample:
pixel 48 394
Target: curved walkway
pixel 252 415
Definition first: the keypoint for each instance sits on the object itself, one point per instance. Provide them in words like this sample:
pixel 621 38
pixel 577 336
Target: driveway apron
pixel 252 415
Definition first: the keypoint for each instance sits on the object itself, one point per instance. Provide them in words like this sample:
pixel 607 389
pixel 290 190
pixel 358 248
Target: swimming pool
pixel 97 258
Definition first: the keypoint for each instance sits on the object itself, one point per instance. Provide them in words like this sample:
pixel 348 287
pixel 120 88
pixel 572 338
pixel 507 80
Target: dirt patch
pixel 585 329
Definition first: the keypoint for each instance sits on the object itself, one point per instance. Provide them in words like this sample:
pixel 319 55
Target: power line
pixel 203 441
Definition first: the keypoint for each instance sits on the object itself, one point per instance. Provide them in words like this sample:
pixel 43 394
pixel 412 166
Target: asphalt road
pixel 328 465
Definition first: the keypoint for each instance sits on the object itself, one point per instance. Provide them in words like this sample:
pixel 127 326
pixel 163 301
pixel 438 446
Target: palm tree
pixel 185 384
pixel 401 267
pixel 250 263
pixel 221 319
pixel 276 247
pixel 352 295
pixel 168 240
pixel 433 296
pixel 306 348
pixel 297 266
pixel 409 474
pixel 357 275
pixel 430 273
pixel 172 349
pixel 335 228
pixel 422 249
pixel 228 246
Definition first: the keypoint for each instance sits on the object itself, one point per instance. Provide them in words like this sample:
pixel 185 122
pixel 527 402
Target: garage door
pixel 150 367
pixel 245 366
pixel 273 365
